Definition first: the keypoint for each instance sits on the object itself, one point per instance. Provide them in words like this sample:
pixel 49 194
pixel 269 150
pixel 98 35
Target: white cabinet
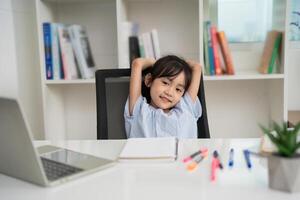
pixel 235 104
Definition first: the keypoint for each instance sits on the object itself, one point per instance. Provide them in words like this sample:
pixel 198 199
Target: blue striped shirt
pixel 147 121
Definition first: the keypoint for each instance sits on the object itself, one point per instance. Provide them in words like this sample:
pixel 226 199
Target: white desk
pixel 128 181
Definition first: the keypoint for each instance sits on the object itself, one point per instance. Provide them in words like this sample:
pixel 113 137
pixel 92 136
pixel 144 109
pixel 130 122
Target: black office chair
pixel 112 89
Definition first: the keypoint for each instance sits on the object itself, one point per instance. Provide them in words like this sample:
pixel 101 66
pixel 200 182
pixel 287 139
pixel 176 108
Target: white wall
pixel 8 70
pixel 19 71
pixel 293 79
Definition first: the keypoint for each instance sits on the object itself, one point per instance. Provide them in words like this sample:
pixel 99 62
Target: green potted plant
pixel 284 164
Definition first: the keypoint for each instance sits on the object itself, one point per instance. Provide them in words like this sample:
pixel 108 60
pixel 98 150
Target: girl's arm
pixel 135 89
pixel 196 77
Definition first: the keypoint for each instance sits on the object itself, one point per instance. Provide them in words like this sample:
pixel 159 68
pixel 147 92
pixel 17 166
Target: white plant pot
pixel 284 173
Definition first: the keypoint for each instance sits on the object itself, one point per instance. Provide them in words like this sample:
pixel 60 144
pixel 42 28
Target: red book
pixel 214 41
pixel 226 52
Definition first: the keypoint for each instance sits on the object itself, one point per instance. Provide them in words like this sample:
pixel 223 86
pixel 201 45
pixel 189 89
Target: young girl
pixel 173 108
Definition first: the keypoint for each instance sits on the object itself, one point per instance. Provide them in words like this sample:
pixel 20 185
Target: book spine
pixel 214 41
pixel 206 56
pixel 226 52
pixel 155 43
pixel 147 45
pixel 55 52
pixel 267 52
pixel 67 55
pixel 275 53
pixel 141 46
pixel 82 51
pixel 134 51
pixel 150 45
pixel 210 49
pixel 48 51
pixel 62 52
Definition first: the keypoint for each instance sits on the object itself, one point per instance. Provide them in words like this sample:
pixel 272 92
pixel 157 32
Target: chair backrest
pixel 112 89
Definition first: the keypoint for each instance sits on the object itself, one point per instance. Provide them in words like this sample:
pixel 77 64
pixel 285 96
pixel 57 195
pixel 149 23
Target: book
pixel 128 29
pixel 275 54
pixel 141 46
pixel 267 51
pixel 68 59
pixel 150 149
pixel 214 42
pixel 52 51
pixel 205 49
pixel 56 60
pixel 155 43
pixel 226 52
pixel 148 46
pixel 134 50
pixel 210 48
pixel 48 51
pixel 82 50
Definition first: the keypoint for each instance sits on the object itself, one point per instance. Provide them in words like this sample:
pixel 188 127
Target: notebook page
pixel 149 148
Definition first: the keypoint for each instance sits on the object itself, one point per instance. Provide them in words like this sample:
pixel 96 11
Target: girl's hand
pixel 144 63
pixel 194 65
pixel 196 77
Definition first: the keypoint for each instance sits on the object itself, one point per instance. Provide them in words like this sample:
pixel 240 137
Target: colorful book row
pixel 213 39
pixel 145 45
pixel 67 52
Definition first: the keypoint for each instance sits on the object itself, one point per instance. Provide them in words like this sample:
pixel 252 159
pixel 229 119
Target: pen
pixel 214 164
pixel 201 151
pixel 231 154
pixel 193 165
pixel 216 156
pixel 247 158
pixel 176 150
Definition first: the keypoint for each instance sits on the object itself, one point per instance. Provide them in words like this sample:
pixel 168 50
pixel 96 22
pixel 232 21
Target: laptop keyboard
pixel 55 170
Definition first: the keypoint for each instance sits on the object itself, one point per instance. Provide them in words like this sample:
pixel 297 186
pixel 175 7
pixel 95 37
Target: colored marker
pixel 247 158
pixel 214 164
pixel 216 156
pixel 231 154
pixel 201 151
pixel 193 165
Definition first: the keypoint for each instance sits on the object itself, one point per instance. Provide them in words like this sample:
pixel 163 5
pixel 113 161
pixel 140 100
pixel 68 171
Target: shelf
pixel 76 1
pixel 238 76
pixel 245 75
pixel 84 81
pixel 69 82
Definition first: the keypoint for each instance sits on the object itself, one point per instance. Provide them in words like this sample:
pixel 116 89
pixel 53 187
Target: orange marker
pixel 193 165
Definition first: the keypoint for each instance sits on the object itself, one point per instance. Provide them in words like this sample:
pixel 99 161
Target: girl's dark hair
pixel 167 66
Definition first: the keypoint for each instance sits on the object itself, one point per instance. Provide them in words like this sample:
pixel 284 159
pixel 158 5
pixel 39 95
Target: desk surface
pixel 129 181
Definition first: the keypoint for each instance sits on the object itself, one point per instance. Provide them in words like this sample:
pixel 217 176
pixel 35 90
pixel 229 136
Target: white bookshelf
pixel 235 104
pixel 67 82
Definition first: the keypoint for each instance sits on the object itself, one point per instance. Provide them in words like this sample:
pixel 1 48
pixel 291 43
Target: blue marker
pixel 231 154
pixel 247 158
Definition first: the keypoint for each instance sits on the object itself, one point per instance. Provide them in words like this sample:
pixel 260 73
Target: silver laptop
pixel 47 165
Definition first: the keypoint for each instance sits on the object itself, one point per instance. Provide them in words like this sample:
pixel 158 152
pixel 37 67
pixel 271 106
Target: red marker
pixel 214 165
pixel 201 151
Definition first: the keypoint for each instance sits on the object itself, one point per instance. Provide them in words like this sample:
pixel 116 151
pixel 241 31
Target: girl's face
pixel 166 92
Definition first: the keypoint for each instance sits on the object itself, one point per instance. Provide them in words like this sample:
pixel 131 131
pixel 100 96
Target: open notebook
pixel 150 149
